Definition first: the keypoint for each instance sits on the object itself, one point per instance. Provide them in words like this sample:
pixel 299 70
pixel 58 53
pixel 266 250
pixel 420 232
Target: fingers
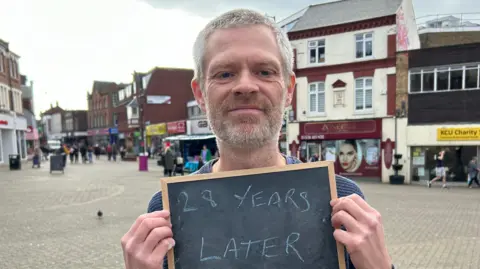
pixel 156 236
pixel 342 218
pixel 156 214
pixel 161 250
pixel 349 205
pixel 147 226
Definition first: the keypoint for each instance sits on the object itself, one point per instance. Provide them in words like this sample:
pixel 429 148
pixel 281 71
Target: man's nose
pixel 246 84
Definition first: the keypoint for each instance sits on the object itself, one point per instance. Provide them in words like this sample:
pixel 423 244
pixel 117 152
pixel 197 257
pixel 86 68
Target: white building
pixel 12 122
pixel 52 123
pixel 345 102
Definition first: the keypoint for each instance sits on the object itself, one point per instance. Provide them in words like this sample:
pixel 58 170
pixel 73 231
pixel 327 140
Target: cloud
pixel 211 8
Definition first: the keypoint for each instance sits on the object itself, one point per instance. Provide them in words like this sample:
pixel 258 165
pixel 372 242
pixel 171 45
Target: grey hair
pixel 240 18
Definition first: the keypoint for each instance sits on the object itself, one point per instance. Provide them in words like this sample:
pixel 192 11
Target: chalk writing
pixel 269 248
pixel 298 200
pixel 186 208
pixel 207 196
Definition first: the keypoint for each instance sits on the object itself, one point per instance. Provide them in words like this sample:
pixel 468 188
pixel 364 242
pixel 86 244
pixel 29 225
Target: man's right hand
pixel 148 240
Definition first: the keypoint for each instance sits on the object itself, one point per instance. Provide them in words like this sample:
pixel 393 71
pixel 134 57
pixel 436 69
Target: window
pixel 364 45
pixel 121 95
pixel 445 78
pixel 363 94
pixel 316 94
pixel 1 67
pixel 316 51
pixel 134 112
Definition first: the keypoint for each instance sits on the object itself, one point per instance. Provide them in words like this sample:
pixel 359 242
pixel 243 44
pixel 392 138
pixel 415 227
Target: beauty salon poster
pixel 354 157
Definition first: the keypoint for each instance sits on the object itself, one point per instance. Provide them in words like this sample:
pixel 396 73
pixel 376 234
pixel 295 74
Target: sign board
pixel 158 99
pixel 256 218
pixel 176 127
pixel 200 126
pixel 458 134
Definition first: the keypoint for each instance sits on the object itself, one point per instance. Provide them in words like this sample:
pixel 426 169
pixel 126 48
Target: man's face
pixel 244 92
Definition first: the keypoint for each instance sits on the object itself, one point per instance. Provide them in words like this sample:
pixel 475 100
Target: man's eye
pixel 265 73
pixel 225 75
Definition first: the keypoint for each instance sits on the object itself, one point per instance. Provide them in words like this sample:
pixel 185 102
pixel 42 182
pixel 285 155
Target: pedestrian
pixel 473 172
pixel 249 63
pixel 439 170
pixel 114 152
pixel 90 154
pixel 109 152
pixel 169 161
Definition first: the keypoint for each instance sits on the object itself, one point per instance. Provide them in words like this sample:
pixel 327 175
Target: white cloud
pixel 64 45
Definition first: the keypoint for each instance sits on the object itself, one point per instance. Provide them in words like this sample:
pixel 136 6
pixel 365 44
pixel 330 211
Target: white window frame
pixel 2 59
pixel 317 92
pixel 364 47
pixel 313 45
pixel 453 67
pixel 364 89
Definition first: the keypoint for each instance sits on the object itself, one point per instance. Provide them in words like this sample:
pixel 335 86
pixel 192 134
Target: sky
pixel 65 45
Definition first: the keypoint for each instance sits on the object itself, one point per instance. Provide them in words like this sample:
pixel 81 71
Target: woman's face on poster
pixel 347 156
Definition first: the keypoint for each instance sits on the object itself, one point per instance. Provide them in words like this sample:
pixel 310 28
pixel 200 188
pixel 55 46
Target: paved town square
pixel 50 220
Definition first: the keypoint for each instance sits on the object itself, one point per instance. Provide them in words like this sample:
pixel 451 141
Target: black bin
pixel 14 162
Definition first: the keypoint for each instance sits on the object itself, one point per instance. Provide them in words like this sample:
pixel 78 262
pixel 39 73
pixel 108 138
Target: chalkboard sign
pixel 268 218
pixel 56 163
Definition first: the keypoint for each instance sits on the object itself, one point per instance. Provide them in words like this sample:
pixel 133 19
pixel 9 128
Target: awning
pixel 189 137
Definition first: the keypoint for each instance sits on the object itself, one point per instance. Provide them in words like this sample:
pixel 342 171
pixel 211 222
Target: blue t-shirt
pixel 345 187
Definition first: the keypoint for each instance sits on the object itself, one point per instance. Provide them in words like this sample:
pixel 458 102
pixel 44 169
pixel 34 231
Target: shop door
pixel 312 149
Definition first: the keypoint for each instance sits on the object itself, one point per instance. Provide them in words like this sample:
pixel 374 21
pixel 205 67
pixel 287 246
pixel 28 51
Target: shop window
pixel 456 159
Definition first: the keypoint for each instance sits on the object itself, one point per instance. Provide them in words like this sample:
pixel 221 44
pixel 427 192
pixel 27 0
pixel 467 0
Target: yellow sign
pixel 458 134
pixel 156 129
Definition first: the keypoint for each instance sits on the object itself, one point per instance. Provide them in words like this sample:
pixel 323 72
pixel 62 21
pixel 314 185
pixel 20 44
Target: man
pixel 439 170
pixel 244 81
pixel 473 172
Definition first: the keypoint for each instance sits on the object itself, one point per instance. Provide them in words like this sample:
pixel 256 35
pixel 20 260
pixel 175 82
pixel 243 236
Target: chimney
pixel 57 103
pixel 51 106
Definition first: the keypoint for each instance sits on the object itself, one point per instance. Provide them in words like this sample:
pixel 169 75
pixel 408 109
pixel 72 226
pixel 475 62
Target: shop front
pixel 155 133
pixel 460 142
pixel 12 137
pixel 99 136
pixel 31 136
pixel 354 146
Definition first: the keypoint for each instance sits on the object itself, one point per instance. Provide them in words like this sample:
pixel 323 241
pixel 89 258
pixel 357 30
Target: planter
pixel 397 179
pixel 397 156
pixel 397 167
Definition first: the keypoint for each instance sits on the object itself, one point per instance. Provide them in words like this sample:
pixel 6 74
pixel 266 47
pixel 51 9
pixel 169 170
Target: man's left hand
pixel 364 237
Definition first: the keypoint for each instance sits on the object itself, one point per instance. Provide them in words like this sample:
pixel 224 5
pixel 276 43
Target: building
pixel 448 29
pixel 31 135
pixel 160 105
pixel 345 60
pixel 13 124
pixel 101 127
pixel 443 111
pixel 75 126
pixel 52 123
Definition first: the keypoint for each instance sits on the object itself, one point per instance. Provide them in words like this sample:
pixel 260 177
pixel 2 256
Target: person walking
pixel 243 81
pixel 169 161
pixel 439 170
pixel 473 172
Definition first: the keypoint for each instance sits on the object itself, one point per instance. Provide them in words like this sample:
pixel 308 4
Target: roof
pixel 104 87
pixel 53 110
pixel 345 11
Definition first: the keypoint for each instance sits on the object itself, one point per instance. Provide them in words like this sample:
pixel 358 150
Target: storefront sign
pixel 458 134
pixel 98 132
pixel 197 127
pixel 388 153
pixel 176 127
pixel 3 122
pixel 113 131
pixel 18 123
pixel 156 129
pixel 360 129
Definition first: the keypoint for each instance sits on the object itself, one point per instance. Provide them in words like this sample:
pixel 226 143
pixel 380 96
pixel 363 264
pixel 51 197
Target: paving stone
pixel 49 220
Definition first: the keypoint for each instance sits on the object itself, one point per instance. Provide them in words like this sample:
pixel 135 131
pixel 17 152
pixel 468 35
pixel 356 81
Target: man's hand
pixel 148 240
pixel 364 236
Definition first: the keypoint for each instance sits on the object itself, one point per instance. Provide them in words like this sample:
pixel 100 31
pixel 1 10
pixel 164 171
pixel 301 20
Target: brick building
pixel 101 127
pixel 13 124
pixel 75 126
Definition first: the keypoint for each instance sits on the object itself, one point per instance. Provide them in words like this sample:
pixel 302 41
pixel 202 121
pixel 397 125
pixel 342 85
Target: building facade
pixel 13 124
pixel 75 126
pixel 101 127
pixel 346 92
pixel 52 123
pixel 443 113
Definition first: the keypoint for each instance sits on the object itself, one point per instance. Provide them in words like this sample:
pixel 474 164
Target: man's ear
pixel 198 94
pixel 291 89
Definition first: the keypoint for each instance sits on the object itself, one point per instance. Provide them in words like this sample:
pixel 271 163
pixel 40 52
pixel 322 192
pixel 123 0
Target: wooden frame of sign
pixel 238 173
